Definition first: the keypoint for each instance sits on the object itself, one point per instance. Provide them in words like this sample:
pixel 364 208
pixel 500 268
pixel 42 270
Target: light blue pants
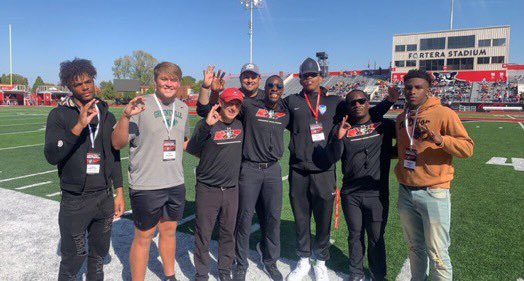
pixel 425 215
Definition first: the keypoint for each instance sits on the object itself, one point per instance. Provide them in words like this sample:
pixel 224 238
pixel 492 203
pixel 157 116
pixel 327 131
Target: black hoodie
pixel 68 151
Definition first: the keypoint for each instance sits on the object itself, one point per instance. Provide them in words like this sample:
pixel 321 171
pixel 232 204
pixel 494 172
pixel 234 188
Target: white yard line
pixel 23 132
pixel 22 124
pixel 405 272
pixel 33 185
pixel 21 146
pixel 27 176
pixel 53 194
pixel 520 123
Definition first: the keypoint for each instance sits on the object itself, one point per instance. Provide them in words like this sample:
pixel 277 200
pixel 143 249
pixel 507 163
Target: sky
pixel 195 34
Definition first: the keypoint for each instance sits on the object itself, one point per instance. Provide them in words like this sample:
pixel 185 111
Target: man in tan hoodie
pixel 428 136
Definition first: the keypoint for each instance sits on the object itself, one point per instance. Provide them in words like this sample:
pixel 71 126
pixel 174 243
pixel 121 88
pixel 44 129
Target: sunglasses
pixel 307 75
pixel 359 101
pixel 278 85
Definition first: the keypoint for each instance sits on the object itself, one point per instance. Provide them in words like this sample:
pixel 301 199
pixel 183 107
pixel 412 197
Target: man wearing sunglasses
pixel 214 83
pixel 364 142
pixel 312 175
pixel 260 182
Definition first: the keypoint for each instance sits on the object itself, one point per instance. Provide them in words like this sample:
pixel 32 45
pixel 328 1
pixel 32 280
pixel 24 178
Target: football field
pixel 487 196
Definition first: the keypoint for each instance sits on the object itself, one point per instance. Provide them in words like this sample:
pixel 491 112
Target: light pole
pixel 250 5
pixel 451 17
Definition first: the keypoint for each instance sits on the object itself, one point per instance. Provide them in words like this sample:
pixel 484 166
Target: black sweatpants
pixel 369 214
pixel 93 213
pixel 213 203
pixel 312 193
pixel 262 186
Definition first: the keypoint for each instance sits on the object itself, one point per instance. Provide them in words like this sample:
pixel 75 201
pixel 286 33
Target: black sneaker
pixel 171 278
pixel 239 274
pixel 224 276
pixel 273 272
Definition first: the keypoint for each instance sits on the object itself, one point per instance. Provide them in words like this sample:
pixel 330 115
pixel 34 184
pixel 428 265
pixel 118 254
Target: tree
pixel 107 90
pixel 188 81
pixel 197 86
pixel 137 66
pixel 17 79
pixel 38 82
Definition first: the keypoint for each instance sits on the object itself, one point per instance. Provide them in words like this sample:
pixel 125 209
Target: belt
pixel 218 186
pixel 260 166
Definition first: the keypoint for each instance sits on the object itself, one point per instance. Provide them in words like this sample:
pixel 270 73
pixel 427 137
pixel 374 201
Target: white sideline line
pixel 21 124
pixel 27 176
pixel 23 132
pixel 405 272
pixel 41 173
pixel 33 185
pixel 53 194
pixel 21 146
pixel 510 116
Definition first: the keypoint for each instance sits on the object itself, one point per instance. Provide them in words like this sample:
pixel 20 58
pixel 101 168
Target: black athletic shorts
pixel 149 206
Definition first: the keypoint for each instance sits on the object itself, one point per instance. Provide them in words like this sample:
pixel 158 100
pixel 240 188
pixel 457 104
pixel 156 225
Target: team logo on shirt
pixel 322 108
pixel 271 114
pixel 362 130
pixel 227 134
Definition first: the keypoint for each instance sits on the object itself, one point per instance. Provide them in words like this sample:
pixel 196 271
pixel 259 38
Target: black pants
pixel 213 203
pixel 312 193
pixel 93 213
pixel 262 186
pixel 367 214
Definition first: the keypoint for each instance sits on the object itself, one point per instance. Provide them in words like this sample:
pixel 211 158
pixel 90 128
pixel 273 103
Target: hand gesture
pixel 393 94
pixel 343 128
pixel 88 111
pixel 209 74
pixel 218 83
pixel 213 117
pixel 134 107
pixel 431 136
pixel 120 204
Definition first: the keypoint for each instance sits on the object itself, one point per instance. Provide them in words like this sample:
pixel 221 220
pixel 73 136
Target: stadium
pixel 474 76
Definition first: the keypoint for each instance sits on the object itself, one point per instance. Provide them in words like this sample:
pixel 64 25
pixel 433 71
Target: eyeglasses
pixel 307 75
pixel 278 85
pixel 359 101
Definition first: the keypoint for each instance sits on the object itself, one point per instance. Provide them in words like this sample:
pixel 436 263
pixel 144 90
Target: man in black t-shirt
pixel 217 141
pixel 363 140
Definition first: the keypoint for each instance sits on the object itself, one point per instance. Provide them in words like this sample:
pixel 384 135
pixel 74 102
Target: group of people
pixel 239 142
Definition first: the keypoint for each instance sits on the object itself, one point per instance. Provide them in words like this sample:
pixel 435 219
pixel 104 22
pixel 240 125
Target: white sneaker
pixel 321 272
pixel 300 271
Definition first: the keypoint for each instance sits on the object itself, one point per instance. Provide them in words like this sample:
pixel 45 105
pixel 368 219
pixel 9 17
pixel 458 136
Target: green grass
pixel 487 200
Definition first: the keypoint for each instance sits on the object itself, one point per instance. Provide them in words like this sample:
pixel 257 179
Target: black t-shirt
pixel 366 156
pixel 220 150
pixel 264 131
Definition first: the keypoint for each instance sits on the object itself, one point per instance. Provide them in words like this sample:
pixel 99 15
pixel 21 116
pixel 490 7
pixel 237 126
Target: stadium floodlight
pixel 251 5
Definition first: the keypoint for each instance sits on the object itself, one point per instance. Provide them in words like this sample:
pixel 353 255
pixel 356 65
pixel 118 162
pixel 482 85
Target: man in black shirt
pixel 78 141
pixel 365 146
pixel 261 177
pixel 217 140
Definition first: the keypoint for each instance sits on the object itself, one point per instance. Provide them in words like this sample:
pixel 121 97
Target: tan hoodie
pixel 434 163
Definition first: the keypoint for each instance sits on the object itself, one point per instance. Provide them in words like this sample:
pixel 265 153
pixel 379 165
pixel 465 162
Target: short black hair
pixel 273 76
pixel 70 70
pixel 417 73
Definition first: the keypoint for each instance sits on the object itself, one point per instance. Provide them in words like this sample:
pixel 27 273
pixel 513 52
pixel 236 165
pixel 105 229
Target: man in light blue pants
pixel 429 135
